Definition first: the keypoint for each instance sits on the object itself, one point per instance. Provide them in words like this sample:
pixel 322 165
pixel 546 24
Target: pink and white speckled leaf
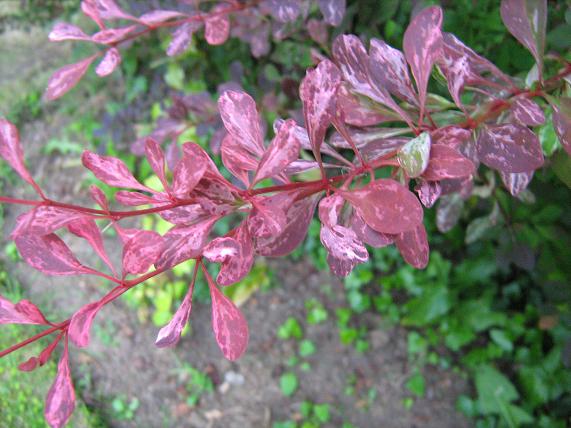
pixel 527 20
pixel 448 212
pixel 510 148
pixel 428 192
pixel 282 151
pixel 516 182
pixel 23 312
pixel 318 31
pixel 284 10
pixel 237 159
pixel 141 252
pixel 109 9
pixel 413 157
pixel 43 220
pixel 63 31
pixel 236 255
pixel 159 15
pixel 87 229
pixel 527 112
pixel 451 136
pixel 99 197
pixel 185 215
pixel 447 162
pixel 386 206
pixel 422 47
pixel 65 78
pixel 318 92
pixel 49 254
pixel 229 325
pixel 344 248
pixel 388 68
pixel 268 216
pixel 333 11
pixel 216 27
pixel 111 171
pixel 156 159
pixel 368 235
pixel 562 123
pixel 11 150
pixel 111 36
pixel 182 37
pixel 413 246
pixel 184 242
pixel 109 63
pixel 133 199
pixel 186 175
pixel 330 208
pixel 169 335
pixel 60 401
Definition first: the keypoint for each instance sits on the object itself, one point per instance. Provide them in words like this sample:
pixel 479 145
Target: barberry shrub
pixel 385 147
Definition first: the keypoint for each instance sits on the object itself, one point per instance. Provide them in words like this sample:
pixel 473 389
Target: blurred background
pixel 481 337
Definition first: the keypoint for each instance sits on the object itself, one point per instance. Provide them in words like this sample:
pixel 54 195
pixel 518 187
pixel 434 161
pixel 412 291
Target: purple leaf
pixel 217 26
pixel 63 31
pixel 516 182
pixel 111 171
pixel 241 120
pixel 386 206
pixel 23 312
pixel 344 249
pixel 60 401
pixel 158 16
pixel 448 212
pixel 333 11
pixel 283 150
pixel 109 63
pixel 11 150
pixel 318 31
pixel 184 242
pixel 510 148
pixel 87 229
pixel 413 157
pixel 527 112
pixel 329 209
pixel 284 10
pixel 141 251
pixel 318 93
pixel 356 112
pixel 111 36
pixel 236 255
pixel 446 162
pixel 368 235
pixel 182 37
pixel 49 255
pixel 156 159
pixel 299 216
pixel 229 325
pixel 451 136
pixel 526 20
pixel 388 69
pixel 169 335
pixel 423 47
pixel 413 246
pixel 428 192
pixel 562 123
pixel 65 78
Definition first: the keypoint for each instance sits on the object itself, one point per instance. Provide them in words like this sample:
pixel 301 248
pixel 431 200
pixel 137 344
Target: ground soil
pixel 123 361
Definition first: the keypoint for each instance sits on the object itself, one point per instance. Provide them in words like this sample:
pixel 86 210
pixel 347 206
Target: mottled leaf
pixel 413 246
pixel 284 10
pixel 448 212
pixel 11 150
pixel 428 192
pixel 516 182
pixel 527 112
pixel 63 31
pixel 333 11
pixel 413 156
pixel 216 26
pixel 169 335
pixel 60 401
pixel 109 62
pixel 111 36
pixel 111 171
pixel 87 229
pixel 181 38
pixel 446 162
pixel 562 123
pixel 65 78
pixel 344 249
pixel 23 312
pixel 282 151
pixel 368 235
pixel 141 252
pixel 159 15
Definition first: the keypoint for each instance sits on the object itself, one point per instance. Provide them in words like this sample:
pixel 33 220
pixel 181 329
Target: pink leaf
pixel 527 112
pixel 186 175
pixel 413 246
pixel 318 31
pixel 108 9
pixel 562 123
pixel 345 250
pixel 355 111
pixel 66 78
pixel 49 254
pixel 446 162
pixel 111 36
pixel 23 312
pixel 156 159
pixel 388 69
pixel 423 47
pixel 448 212
pixel 80 324
pixel 88 230
pixel 329 209
pixel 34 362
pixel 111 171
pixel 44 220
pixel 60 401
pixel 182 37
pixel 333 11
pixel 158 16
pixel 169 335
pixel 241 120
pixel 229 325
pixel 185 215
pixel 90 9
pixel 284 10
pixel 283 150
pixel 526 20
pixel 99 197
pixel 236 255
pixel 109 63
pixel 516 182
pixel 133 199
pixel 368 235
pixel 386 206
pixel 268 218
pixel 216 26
pixel 11 150
pixel 451 136
pixel 64 31
pixel 428 192
pixel 318 93
pixel 141 251
pixel 299 216
pixel 510 148
pixel 184 242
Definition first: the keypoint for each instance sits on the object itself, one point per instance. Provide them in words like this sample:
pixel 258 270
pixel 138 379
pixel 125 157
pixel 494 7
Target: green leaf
pixel 501 339
pixel 321 412
pixel 494 389
pixel 534 384
pixel 413 156
pixel 416 385
pixel 306 348
pixel 433 303
pixel 288 384
pixel 290 329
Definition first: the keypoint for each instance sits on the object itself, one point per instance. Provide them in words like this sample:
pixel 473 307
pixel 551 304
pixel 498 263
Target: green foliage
pixel 290 329
pixel 288 383
pixel 197 383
